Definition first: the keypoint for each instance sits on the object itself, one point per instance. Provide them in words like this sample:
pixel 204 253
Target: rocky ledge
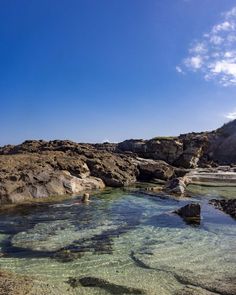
pixel 39 169
pixel 228 206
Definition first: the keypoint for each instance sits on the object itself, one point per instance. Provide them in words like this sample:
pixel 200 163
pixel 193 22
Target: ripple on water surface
pixel 120 244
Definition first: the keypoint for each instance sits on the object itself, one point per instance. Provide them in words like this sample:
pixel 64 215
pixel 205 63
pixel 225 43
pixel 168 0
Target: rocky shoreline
pixel 43 171
pixel 40 169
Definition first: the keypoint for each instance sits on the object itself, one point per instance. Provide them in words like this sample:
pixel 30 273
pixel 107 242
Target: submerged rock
pixel 190 256
pixel 228 206
pixel 65 255
pixel 57 236
pixel 193 290
pixel 108 286
pixel 14 284
pixel 49 237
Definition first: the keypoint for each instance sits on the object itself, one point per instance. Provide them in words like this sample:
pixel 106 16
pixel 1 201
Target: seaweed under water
pixel 121 242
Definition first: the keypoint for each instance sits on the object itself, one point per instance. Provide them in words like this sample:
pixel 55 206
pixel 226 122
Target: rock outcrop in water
pixel 27 176
pixel 190 212
pixel 109 287
pixel 176 186
pixel 39 169
pixel 228 206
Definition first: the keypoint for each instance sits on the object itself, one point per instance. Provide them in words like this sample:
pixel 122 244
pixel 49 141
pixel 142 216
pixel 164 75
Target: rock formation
pixel 190 150
pixel 191 213
pixel 38 169
pixel 176 186
pixel 228 206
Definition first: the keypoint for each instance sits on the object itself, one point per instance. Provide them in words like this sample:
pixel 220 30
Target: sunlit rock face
pixel 29 176
pixel 166 149
pixel 183 151
pixel 188 150
pixel 38 169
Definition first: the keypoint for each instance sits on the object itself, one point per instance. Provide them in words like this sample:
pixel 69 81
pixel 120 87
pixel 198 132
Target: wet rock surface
pixel 39 169
pixel 182 258
pixel 176 186
pixel 42 169
pixel 190 212
pixel 32 176
pixel 228 206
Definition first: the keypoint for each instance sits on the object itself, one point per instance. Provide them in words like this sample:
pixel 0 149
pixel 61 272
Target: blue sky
pixel 95 70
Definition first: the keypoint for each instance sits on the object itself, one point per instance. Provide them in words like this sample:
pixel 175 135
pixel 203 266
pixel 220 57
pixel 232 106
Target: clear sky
pixel 95 70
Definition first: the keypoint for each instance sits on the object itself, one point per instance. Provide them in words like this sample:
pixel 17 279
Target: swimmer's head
pixel 85 198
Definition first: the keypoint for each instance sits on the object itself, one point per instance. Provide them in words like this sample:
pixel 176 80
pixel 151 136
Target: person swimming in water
pixel 84 200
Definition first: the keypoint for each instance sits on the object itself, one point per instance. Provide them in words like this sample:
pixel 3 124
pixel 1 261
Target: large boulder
pixel 185 151
pixel 167 149
pixel 194 146
pixel 114 170
pixel 150 169
pixel 29 176
pixel 176 186
pixel 137 146
pixel 38 169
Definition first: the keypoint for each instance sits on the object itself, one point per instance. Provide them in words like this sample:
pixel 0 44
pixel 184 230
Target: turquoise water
pixel 122 242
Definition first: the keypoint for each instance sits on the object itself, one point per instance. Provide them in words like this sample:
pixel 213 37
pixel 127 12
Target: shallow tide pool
pixel 121 243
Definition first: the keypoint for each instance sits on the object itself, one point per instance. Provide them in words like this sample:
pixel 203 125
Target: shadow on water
pixel 123 217
pixel 124 211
